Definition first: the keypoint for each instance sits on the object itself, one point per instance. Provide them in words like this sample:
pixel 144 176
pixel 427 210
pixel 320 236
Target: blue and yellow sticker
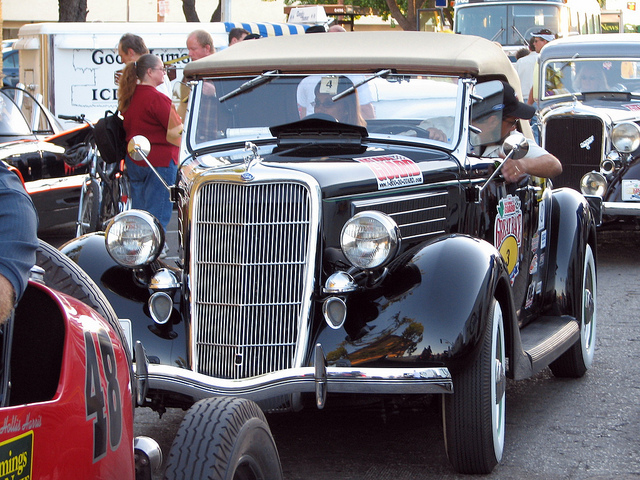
pixel 16 457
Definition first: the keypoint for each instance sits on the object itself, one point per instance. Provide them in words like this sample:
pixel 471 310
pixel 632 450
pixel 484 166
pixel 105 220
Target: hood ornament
pixel 251 159
pixel 587 143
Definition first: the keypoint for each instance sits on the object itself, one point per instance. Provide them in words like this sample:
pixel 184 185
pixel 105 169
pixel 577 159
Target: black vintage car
pixel 588 97
pixel 339 236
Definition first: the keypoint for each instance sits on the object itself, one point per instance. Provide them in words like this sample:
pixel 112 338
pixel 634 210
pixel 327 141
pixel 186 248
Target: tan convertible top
pixel 365 52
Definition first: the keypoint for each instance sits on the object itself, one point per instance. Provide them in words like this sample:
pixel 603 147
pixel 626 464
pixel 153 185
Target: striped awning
pixel 268 29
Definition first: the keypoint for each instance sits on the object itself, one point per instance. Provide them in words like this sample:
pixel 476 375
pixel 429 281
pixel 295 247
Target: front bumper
pixel 319 379
pixel 622 209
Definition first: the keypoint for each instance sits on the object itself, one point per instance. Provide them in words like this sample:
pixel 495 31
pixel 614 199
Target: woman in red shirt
pixel 150 113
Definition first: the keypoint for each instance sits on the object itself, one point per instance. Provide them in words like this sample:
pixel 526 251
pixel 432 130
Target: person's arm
pixel 368 111
pixel 530 100
pixel 18 240
pixel 7 298
pixel 542 165
pixel 174 128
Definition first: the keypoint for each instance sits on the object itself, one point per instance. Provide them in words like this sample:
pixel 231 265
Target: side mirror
pixel 515 146
pixel 139 147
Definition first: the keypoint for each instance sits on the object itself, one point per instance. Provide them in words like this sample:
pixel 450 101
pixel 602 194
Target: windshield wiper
pixel 524 40
pixel 493 39
pixel 248 85
pixel 350 90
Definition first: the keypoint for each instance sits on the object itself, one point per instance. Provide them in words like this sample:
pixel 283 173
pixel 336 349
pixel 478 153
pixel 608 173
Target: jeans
pixel 147 191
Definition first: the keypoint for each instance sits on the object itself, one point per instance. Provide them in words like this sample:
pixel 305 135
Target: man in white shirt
pixel 524 67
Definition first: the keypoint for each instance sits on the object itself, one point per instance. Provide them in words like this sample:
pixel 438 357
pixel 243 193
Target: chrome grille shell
pixel 253 249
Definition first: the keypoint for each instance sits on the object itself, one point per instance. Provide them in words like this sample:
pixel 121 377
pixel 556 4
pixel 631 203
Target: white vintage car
pixel 588 95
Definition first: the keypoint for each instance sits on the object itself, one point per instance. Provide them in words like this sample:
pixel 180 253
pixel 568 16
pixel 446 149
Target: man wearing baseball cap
pixel 544 35
pixel 537 162
pixel 525 65
pixel 539 39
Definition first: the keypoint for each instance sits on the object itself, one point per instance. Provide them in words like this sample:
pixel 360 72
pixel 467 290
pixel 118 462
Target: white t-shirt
pixel 306 91
pixel 524 66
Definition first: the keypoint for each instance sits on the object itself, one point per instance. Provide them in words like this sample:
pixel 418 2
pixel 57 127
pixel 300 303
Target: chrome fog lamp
pixel 593 183
pixel 370 239
pixel 160 307
pixel 626 137
pixel 134 238
pixel 164 284
pixel 335 312
pixel 164 280
pixel 340 282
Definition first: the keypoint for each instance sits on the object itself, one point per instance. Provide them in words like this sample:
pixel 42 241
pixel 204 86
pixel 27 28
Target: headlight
pixel 626 137
pixel 134 238
pixel 370 239
pixel 593 183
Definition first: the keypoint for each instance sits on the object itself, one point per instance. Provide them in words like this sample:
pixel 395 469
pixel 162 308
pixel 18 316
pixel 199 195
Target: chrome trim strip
pixel 303 379
pixel 621 208
pixel 414 223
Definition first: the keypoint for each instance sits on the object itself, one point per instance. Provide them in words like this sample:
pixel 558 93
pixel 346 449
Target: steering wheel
pixel 398 129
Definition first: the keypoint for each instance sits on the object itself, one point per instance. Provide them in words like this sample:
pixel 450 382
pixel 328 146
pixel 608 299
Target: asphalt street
pixel 556 428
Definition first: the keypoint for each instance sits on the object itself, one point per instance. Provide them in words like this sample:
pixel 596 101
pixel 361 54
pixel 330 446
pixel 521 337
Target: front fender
pixel 573 226
pixel 431 309
pixel 164 344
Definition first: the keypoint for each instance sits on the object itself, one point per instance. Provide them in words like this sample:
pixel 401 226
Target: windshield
pixel 12 122
pixel 568 77
pixel 506 24
pixel 408 107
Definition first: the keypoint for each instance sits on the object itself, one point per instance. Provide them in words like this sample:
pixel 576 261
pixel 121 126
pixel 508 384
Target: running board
pixel 547 338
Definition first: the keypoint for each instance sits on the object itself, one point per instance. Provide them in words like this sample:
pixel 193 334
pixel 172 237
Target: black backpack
pixel 111 138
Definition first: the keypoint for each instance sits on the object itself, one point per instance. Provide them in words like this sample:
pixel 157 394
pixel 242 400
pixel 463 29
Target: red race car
pixel 66 390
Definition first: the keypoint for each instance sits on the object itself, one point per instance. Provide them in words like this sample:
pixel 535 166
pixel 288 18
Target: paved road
pixel 556 428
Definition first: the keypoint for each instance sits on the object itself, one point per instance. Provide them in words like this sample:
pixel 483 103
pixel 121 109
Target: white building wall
pixel 15 11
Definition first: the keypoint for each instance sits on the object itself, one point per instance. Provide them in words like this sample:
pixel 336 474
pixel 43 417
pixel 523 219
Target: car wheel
pixel 575 362
pixel 224 439
pixel 89 209
pixel 474 415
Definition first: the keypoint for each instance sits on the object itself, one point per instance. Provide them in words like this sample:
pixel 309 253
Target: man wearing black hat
pixel 537 162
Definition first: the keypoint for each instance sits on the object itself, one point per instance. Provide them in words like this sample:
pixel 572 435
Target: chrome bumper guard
pixel 319 379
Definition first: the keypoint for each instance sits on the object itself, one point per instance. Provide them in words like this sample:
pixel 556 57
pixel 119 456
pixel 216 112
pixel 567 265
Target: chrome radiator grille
pixel 250 252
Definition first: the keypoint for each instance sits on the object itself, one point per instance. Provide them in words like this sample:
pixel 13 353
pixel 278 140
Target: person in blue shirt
pixel 18 240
